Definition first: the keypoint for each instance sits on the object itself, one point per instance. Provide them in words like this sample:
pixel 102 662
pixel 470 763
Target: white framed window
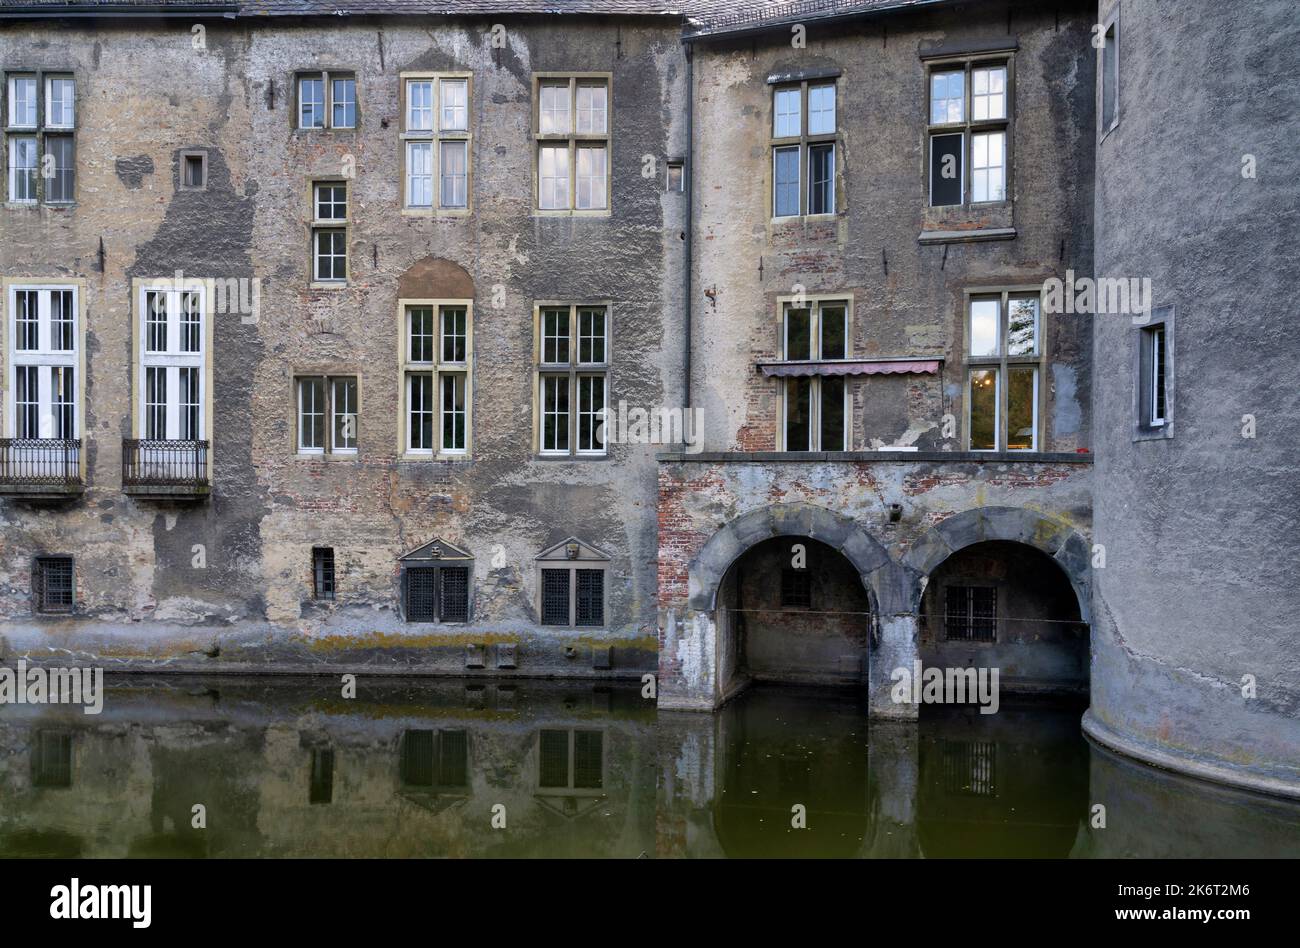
pixel 329 232
pixel 573 378
pixel 815 408
pixel 1154 391
pixel 1004 362
pixel 571 115
pixel 172 380
pixel 43 358
pixel 40 134
pixel 805 133
pixel 326 100
pixel 327 414
pixel 438 143
pixel 969 131
pixel 436 358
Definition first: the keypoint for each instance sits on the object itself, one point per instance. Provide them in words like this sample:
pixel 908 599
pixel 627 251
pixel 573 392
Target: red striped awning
pixel 841 367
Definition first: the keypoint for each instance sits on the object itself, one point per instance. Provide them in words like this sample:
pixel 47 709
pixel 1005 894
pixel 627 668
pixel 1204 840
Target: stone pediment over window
pixel 436 551
pixel 571 550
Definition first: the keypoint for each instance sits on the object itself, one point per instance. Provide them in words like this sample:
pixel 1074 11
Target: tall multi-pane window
pixel 327 414
pixel 1109 73
pixel 42 358
pixel 573 142
pixel 969 124
pixel 437 142
pixel 573 378
pixel 327 100
pixel 329 232
pixel 814 406
pixel 804 140
pixel 437 369
pixel 172 380
pixel 40 124
pixel 1004 355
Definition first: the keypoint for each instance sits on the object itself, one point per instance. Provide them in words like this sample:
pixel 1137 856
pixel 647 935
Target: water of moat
pixel 414 768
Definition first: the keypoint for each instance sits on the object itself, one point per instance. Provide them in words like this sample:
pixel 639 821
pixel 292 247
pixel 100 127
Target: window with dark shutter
pixel 590 603
pixel 946 182
pixel 555 597
pixel 421 594
pixel 52 584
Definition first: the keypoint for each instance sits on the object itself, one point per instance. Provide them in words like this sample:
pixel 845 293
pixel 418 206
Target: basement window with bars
pixel 52 584
pixel 796 588
pixel 970 768
pixel 971 614
pixel 52 760
pixel 571 760
pixel 436 593
pixel 573 596
pixel 322 567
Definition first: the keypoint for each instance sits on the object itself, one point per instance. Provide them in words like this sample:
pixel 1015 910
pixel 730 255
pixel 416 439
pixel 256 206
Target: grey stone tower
pixel 1197 411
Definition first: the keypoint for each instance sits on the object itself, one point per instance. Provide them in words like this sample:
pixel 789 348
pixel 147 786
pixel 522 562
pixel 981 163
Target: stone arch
pixel 710 565
pixel 1065 545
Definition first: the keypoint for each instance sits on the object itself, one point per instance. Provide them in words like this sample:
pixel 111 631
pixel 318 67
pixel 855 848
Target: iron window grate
pixel 553 767
pixel 796 589
pixel 555 597
pixel 590 603
pixel 454 593
pixel 323 571
pixel 52 760
pixel 970 768
pixel 453 758
pixel 52 584
pixel 970 613
pixel 417 758
pixel 422 594
pixel 588 755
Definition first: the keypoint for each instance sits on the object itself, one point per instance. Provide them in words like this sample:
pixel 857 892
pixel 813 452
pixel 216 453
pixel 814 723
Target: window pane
pixel 988 167
pixel 555 336
pixel 311 103
pixel 59 106
pixel 946 156
pixel 331 255
pixel 590 597
pixel 27 401
pixel 22 101
pixel 155 307
pixel 453 595
pixel 832 414
pixel 420 328
pixel 591 177
pixel 947 97
pixel 1109 79
pixel 591 335
pixel 798 414
pixel 331 202
pixel 821 110
pixel 63 398
pixel 555 413
pixel 1022 326
pixel 554 108
pixel 591 412
pixel 989 93
pixel 834 332
pixel 1158 360
pixel 58 187
pixel 553 177
pixel 454 189
pixel 785 182
pixel 188 408
pixel 798 333
pixel 191 322
pixel 984 327
pixel 821 179
pixel 786 113
pixel 22 168
pixel 419 174
pixel 62 321
pixel 419 105
pixel 421 598
pixel 1022 405
pixel 345 414
pixel 455 105
pixel 983 409
pixel 344 92
pixel 420 412
pixel 592 111
pixel 155 403
pixel 311 414
pixel 453 334
pixel 27 319
pixel 453 412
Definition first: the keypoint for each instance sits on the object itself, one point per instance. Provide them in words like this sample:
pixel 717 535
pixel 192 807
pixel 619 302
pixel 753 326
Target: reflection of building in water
pixel 285 772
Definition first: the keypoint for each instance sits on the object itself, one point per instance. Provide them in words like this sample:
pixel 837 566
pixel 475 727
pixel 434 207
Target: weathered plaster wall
pixel 139 597
pixel 907 296
pixel 1200 529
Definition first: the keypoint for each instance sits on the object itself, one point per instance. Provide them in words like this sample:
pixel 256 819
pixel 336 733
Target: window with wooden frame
pixel 44 357
pixel 40 129
pixel 969 131
pixel 329 232
pixel 815 408
pixel 572 588
pixel 53 584
pixel 573 358
pixel 326 99
pixel 327 414
pixel 1004 365
pixel 805 138
pixel 436 142
pixel 971 613
pixel 571 118
pixel 436 363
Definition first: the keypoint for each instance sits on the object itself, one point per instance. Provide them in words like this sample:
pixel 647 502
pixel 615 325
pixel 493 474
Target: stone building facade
pixel 309 318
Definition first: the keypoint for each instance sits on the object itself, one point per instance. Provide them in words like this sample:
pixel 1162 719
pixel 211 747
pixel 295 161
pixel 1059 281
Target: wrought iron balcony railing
pixel 40 466
pixel 164 467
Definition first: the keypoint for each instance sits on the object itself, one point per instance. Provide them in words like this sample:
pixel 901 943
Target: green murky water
pixel 485 769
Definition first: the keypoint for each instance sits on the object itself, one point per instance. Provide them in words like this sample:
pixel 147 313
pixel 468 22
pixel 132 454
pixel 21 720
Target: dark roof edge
pixel 238 10
pixel 704 32
pixel 99 11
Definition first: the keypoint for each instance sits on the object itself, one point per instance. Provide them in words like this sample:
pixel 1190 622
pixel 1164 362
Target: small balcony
pixel 41 469
pixel 165 469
